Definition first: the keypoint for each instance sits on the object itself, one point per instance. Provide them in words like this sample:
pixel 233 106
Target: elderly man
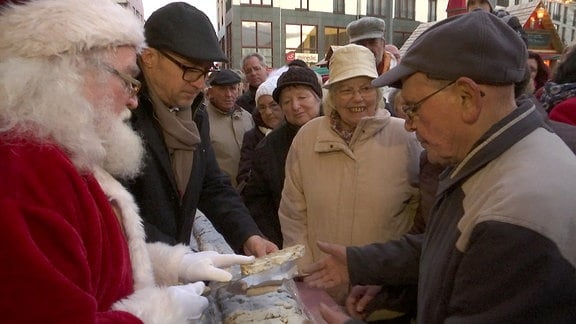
pixel 181 173
pixel 369 32
pixel 500 245
pixel 256 71
pixel 73 248
pixel 228 121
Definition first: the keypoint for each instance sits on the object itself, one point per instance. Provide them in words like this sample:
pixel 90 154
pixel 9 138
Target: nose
pixel 357 95
pixel 295 105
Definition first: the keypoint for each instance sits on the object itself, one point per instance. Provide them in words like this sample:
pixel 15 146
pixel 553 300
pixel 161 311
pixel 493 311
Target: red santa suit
pixel 66 256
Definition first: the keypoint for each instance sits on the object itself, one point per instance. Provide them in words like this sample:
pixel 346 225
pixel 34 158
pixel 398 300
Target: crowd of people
pixel 425 187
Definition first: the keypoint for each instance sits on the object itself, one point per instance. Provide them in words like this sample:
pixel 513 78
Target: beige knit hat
pixel 54 27
pixel 351 61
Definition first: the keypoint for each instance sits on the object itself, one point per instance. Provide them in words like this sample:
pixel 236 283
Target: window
pixel 377 7
pixel 405 9
pixel 334 36
pixel 338 6
pixel 257 37
pixel 432 10
pixel 301 39
pixel 303 5
pixel 400 37
pixel 555 10
pixel 256 2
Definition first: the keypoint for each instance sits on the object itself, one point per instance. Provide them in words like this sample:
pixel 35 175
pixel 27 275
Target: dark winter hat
pixel 224 77
pixel 490 52
pixel 297 75
pixel 184 30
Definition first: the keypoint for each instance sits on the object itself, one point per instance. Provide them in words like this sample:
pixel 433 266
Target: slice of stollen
pixel 273 259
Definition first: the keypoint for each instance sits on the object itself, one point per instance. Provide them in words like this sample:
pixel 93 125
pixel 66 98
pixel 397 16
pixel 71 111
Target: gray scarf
pixel 182 138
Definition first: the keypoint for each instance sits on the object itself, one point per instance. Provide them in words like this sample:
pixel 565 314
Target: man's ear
pixel 470 99
pixel 148 57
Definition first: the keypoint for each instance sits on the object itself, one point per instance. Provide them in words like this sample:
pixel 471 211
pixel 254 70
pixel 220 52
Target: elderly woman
pixel 299 93
pixel 267 116
pixel 351 177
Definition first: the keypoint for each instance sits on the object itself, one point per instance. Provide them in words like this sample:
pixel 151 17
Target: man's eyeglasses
pixel 411 110
pixel 132 85
pixel 189 73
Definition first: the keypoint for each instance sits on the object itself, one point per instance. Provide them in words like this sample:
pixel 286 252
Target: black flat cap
pixel 184 30
pixel 224 77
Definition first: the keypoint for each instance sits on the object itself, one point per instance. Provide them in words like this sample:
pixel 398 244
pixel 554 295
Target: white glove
pixel 205 265
pixel 189 299
pixel 165 305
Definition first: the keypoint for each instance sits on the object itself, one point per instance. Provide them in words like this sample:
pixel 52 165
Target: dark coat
pixel 263 190
pixel 248 99
pixel 166 217
pixel 566 132
pixel 492 252
pixel 249 143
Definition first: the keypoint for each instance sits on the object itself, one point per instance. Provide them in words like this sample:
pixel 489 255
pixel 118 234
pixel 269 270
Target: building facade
pixel 282 30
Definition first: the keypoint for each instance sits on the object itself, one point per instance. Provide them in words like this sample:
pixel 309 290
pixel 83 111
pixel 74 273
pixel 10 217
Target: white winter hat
pixel 44 28
pixel 266 88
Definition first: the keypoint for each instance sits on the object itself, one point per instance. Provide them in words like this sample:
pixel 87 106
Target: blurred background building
pixel 285 29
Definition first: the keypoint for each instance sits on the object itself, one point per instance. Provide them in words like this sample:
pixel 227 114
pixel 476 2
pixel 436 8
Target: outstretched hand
pixel 330 271
pixel 358 298
pixel 258 246
pixel 206 265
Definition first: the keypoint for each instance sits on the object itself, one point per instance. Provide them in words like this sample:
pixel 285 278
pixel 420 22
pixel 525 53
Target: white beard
pixel 123 146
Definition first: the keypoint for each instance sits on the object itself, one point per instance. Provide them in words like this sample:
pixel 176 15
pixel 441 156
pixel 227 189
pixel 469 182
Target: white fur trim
pixel 166 261
pixel 153 306
pixel 133 228
pixel 53 27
